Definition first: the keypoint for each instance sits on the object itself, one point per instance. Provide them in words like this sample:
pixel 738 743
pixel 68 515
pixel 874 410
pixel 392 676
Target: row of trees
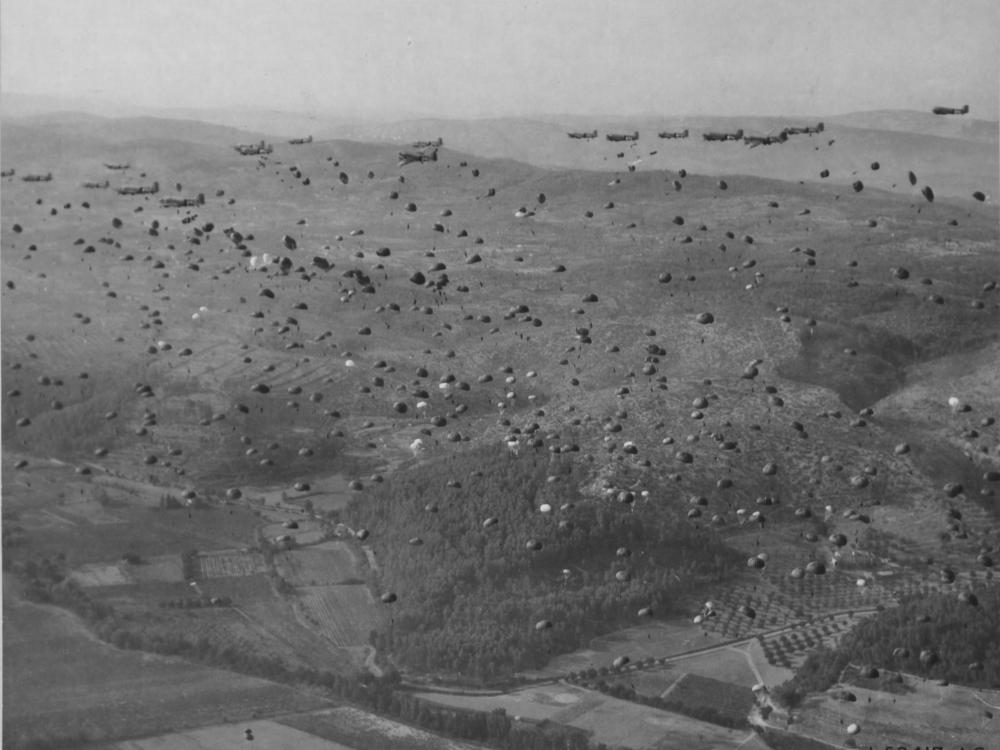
pixel 476 565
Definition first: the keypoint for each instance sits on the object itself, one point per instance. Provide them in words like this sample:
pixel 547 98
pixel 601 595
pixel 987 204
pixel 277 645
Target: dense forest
pixel 498 562
pixel 941 636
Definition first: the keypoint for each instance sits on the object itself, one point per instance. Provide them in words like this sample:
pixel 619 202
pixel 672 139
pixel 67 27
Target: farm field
pixel 729 665
pixel 360 730
pixel 230 564
pixel 105 693
pixel 270 734
pixel 609 720
pixel 322 564
pixel 345 615
pixel 950 715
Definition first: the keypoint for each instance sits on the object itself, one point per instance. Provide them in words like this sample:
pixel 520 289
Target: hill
pixel 324 347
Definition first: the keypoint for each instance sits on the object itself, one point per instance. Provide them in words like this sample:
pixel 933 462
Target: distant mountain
pixel 954 155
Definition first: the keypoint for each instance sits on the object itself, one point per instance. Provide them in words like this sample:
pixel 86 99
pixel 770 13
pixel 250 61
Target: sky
pixel 475 58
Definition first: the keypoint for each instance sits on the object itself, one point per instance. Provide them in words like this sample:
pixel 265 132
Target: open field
pixel 343 614
pixel 322 564
pixel 359 729
pixel 927 713
pixel 270 734
pixel 609 720
pixel 105 693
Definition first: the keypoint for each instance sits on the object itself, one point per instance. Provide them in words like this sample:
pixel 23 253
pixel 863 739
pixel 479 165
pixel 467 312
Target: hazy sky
pixel 470 58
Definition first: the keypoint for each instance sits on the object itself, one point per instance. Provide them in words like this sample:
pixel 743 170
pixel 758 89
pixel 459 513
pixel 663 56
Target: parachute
pixel 927 193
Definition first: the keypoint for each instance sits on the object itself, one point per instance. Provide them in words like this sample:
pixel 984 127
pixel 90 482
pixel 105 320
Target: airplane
pixel 679 134
pixel 723 136
pixel 804 130
pixel 97 185
pixel 429 144
pixel 300 141
pixel 964 110
pixel 183 202
pixel 7 173
pixel 623 136
pixel 253 149
pixel 117 166
pixel 47 177
pixel 140 190
pixel 584 134
pixel 411 158
pixel 765 140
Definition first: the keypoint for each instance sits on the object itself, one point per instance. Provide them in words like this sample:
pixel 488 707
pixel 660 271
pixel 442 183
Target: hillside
pixel 329 375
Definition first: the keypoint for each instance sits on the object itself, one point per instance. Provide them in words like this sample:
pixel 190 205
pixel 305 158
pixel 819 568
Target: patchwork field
pixel 105 693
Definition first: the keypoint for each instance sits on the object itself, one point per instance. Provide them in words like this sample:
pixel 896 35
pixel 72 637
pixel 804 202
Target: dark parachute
pixel 979 196
pixel 927 193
